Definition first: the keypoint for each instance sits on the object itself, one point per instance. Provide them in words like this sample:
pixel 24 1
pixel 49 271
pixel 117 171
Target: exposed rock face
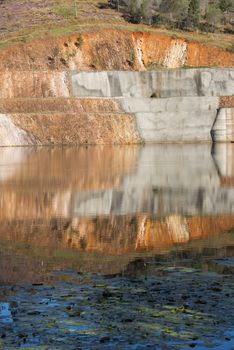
pixel 64 105
pixel 112 49
pixel 11 135
pixel 16 84
pixel 176 55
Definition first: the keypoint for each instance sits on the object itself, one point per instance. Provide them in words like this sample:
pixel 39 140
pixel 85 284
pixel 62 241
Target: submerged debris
pixel 179 309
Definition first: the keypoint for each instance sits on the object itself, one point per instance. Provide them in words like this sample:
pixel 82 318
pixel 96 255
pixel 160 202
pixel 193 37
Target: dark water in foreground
pixel 117 247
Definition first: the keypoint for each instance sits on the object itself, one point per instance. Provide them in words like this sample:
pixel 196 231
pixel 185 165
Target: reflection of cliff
pixel 115 235
pixel 32 248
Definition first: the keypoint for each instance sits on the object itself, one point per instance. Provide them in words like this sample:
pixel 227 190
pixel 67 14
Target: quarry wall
pixel 98 88
pixel 62 107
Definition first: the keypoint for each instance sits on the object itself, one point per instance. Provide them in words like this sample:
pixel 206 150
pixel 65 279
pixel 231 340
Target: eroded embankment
pixel 113 49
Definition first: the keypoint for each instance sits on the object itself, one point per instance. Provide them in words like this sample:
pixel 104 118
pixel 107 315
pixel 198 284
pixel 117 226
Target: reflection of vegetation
pixel 83 243
pixel 25 262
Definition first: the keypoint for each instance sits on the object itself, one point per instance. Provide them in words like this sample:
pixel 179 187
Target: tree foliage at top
pixel 226 5
pixel 194 12
pixel 184 14
pixel 175 9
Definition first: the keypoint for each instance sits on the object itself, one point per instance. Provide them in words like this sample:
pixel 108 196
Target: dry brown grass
pixel 31 19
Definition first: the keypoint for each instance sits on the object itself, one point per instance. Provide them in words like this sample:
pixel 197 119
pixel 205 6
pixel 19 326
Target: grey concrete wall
pixel 161 83
pixel 169 105
pixel 223 129
pixel 173 119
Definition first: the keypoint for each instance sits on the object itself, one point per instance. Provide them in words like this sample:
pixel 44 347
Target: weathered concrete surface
pixel 173 119
pixel 55 107
pixel 161 83
pixel 187 112
pixel 223 129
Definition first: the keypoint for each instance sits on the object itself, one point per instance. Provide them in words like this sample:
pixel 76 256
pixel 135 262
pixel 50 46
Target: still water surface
pixel 107 209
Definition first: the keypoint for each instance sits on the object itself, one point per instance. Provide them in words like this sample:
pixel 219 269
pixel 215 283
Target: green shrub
pixel 64 11
pixel 231 48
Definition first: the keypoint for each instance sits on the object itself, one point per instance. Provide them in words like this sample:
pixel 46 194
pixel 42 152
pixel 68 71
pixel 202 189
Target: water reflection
pixel 114 201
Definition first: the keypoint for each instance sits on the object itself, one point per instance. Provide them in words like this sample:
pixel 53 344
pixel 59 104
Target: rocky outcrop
pixel 11 135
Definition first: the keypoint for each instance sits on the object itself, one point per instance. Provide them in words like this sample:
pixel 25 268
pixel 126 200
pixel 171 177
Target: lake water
pixel 107 208
pixel 113 247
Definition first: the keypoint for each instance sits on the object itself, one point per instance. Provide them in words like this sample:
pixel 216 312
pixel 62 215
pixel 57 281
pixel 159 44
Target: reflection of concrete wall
pixel 171 179
pixel 223 155
pixel 162 179
pixel 156 201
